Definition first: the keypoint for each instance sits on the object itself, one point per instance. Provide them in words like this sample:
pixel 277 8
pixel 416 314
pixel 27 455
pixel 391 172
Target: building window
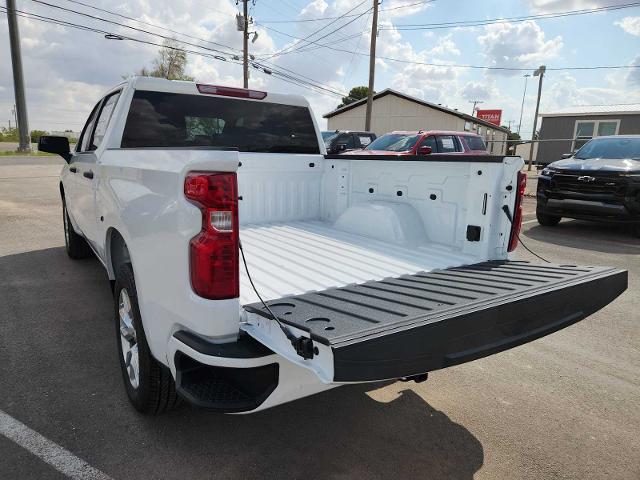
pixel 467 126
pixel 585 130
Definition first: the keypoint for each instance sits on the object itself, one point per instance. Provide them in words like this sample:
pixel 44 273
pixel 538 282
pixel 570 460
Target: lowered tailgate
pixel 412 324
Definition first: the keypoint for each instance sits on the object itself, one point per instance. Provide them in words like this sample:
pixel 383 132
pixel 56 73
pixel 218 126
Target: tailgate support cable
pixel 302 345
pixel 507 212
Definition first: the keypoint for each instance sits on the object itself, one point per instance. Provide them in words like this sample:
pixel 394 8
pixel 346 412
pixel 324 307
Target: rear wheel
pixel 547 220
pixel 149 385
pixel 76 246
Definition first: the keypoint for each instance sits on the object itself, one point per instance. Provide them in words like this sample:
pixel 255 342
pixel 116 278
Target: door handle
pixel 88 174
pixel 73 169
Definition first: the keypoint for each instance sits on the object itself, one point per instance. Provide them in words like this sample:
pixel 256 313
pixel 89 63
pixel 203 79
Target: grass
pixel 34 153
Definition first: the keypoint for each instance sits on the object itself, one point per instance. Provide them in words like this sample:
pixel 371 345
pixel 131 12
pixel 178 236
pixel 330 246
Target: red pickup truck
pixel 425 142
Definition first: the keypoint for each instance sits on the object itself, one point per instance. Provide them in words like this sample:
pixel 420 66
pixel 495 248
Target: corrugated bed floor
pixel 293 258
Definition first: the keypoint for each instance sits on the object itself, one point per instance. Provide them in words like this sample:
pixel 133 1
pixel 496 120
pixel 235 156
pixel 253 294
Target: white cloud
pixel 633 77
pixel 434 84
pixel 630 25
pixel 478 90
pixel 567 92
pixel 554 6
pixel 518 45
pixel 446 46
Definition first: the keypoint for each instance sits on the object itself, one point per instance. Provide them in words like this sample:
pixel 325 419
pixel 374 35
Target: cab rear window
pixel 160 119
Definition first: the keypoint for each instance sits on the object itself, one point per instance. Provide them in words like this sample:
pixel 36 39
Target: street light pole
pixel 526 77
pixel 539 72
pixel 18 79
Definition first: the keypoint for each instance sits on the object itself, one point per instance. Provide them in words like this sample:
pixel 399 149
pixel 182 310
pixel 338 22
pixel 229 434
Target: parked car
pixel 249 270
pixel 600 182
pixel 426 143
pixel 338 141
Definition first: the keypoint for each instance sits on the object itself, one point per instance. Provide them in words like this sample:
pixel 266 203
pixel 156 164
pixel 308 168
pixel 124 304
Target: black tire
pixel 547 220
pixel 156 391
pixel 76 246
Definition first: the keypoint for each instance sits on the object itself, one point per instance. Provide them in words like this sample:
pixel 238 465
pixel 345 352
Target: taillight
pixel 213 253
pixel 231 91
pixel 517 212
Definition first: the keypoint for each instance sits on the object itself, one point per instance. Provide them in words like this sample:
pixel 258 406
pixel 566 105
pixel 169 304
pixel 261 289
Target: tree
pixel 513 140
pixel 170 64
pixel 355 94
pixel 9 134
pixel 36 134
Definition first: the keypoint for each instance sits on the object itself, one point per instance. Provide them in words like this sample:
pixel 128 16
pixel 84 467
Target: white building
pixel 393 110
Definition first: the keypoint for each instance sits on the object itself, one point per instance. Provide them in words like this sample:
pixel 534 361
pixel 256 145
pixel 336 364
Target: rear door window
pixel 447 144
pixel 103 120
pixel 160 119
pixel 365 140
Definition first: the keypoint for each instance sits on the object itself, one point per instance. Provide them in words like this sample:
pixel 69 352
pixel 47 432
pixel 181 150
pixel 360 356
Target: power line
pixel 291 48
pixel 110 12
pixel 346 15
pixel 94 17
pixel 476 23
pixel 454 65
pixel 318 88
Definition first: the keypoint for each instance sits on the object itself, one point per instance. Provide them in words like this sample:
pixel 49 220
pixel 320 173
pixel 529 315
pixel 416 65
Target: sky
pixel 67 69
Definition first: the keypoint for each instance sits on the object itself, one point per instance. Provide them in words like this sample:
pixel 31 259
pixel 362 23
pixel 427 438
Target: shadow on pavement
pixel 60 376
pixel 598 237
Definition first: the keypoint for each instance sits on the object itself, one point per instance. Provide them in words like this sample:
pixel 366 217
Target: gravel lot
pixel 565 406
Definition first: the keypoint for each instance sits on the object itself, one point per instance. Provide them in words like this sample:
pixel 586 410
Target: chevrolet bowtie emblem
pixel 586 178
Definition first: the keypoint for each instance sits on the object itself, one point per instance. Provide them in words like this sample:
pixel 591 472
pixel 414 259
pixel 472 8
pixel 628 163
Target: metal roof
pixel 424 103
pixel 588 110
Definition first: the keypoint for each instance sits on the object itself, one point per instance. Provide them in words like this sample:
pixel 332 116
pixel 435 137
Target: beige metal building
pixel 393 110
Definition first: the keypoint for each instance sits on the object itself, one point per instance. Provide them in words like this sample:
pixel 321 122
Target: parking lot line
pixel 48 451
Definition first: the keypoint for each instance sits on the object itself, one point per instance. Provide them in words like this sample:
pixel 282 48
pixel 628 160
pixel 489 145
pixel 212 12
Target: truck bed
pixel 296 257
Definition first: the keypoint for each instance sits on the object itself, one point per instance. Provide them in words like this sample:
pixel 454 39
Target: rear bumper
pixel 236 377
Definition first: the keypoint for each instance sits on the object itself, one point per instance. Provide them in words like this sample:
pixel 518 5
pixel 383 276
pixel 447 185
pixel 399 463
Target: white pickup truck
pixel 249 269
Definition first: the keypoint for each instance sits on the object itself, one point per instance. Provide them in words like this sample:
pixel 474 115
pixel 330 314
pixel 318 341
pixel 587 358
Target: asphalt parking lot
pixel 565 406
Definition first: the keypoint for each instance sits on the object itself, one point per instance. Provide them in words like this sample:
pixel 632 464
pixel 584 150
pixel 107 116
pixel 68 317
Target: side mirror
pixel 424 150
pixel 567 155
pixel 341 147
pixel 57 145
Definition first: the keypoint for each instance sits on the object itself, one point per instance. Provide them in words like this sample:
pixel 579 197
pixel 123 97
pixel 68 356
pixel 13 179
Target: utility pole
pixel 526 77
pixel 14 112
pixel 18 78
pixel 538 73
pixel 509 122
pixel 372 66
pixel 475 103
pixel 245 44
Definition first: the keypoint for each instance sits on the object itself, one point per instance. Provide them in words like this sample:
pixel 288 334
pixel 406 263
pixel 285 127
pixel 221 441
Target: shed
pixel 567 130
pixel 393 110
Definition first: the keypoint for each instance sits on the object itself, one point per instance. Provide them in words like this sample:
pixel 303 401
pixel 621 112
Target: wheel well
pixel 117 252
pixel 61 191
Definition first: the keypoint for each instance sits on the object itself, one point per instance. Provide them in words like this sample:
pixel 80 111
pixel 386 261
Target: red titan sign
pixel 492 116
